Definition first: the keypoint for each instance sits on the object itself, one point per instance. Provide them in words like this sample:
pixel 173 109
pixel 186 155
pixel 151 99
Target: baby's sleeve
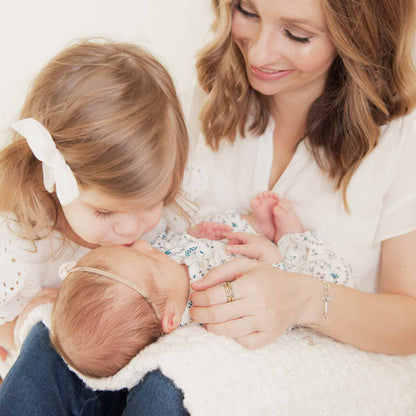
pixel 308 254
pixel 17 288
pixel 399 204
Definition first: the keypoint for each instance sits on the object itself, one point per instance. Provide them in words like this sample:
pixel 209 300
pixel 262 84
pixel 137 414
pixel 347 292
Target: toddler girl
pixel 100 148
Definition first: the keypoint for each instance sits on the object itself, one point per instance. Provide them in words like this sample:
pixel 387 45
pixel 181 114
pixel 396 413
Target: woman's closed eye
pixel 298 39
pixel 244 12
pixel 288 33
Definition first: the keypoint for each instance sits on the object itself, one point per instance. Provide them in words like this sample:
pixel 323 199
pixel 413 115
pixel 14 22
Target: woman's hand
pixel 267 301
pixel 253 246
pixel 45 296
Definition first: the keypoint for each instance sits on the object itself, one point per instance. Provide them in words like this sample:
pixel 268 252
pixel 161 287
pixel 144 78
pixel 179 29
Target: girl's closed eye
pixel 103 214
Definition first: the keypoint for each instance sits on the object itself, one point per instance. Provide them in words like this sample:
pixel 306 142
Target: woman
pixel 330 102
pixel 324 93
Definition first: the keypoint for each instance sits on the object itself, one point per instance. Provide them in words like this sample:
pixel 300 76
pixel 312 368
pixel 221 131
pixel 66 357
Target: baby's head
pixel 100 322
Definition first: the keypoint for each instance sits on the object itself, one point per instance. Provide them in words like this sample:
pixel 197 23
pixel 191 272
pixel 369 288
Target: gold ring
pixel 229 292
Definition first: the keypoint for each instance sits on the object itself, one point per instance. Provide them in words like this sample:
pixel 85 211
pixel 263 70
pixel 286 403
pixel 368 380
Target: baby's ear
pixel 170 321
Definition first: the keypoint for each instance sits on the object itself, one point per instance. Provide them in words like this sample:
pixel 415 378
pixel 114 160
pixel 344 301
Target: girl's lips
pixel 128 245
pixel 269 75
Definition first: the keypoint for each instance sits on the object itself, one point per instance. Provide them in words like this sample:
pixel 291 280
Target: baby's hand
pixel 209 230
pixel 45 296
pixel 254 247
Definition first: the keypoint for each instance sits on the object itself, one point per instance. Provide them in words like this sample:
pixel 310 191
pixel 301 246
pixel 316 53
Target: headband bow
pixel 55 170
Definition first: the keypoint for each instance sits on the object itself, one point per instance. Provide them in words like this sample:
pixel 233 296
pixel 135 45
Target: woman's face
pixel 284 44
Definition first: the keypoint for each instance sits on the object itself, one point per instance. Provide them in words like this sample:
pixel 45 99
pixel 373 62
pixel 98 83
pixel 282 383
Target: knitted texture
pixel 301 373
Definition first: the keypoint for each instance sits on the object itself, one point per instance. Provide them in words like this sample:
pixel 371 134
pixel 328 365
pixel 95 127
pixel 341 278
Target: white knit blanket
pixel 301 373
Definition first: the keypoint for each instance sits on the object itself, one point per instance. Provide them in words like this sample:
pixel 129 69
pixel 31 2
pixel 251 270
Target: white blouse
pixel 381 195
pixel 25 271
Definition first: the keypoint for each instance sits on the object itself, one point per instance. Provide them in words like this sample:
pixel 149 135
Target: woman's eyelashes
pixel 244 12
pixel 288 34
pixel 296 38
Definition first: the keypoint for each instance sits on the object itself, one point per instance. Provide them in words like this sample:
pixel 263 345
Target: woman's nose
pixel 264 48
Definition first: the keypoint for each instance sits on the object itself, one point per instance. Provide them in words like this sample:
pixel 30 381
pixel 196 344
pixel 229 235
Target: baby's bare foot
pixel 262 216
pixel 285 219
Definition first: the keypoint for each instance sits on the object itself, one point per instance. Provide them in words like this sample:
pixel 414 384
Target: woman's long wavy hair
pixel 371 82
pixel 113 113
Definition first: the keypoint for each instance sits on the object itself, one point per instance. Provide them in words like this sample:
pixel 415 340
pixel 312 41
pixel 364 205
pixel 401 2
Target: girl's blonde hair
pixel 113 113
pixel 371 82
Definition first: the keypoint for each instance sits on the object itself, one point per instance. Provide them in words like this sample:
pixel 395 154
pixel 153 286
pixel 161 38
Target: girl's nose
pixel 142 245
pixel 130 225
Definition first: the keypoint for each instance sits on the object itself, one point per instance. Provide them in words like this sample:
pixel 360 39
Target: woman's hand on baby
pixel 254 247
pixel 210 230
pixel 267 302
pixel 43 297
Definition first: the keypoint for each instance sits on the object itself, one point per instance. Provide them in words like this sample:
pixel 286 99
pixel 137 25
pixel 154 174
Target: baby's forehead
pixel 124 262
pixel 114 257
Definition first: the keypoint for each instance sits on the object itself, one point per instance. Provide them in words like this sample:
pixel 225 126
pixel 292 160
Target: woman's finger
pixel 216 314
pixel 213 296
pixel 236 328
pixel 225 272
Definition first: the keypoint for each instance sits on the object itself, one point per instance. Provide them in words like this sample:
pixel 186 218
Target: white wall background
pixel 31 32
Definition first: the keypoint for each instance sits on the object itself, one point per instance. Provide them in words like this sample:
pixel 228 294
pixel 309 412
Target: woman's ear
pixel 170 321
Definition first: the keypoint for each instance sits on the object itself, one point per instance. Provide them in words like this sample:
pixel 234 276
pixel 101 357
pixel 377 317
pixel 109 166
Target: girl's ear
pixel 170 321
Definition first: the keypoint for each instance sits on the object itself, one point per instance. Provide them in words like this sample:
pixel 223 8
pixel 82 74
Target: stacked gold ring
pixel 229 292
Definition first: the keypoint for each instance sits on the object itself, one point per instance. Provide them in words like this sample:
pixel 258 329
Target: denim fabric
pixel 40 384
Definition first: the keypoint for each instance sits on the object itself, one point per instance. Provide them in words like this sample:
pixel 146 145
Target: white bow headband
pixel 67 268
pixel 55 169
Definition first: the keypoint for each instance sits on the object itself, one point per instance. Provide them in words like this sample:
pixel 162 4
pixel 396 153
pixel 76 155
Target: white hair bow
pixel 55 169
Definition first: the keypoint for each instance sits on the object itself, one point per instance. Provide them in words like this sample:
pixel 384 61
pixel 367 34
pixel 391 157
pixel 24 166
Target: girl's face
pixel 95 219
pixel 284 44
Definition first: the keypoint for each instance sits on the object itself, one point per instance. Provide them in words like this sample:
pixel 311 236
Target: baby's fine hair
pixel 99 325
pixel 112 111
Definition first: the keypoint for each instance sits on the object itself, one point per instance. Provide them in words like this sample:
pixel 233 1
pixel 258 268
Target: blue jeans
pixel 40 384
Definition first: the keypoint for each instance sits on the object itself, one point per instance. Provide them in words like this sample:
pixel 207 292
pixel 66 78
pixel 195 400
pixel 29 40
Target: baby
pixel 117 300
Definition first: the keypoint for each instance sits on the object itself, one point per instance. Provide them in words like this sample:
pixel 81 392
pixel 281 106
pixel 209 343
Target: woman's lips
pixel 269 74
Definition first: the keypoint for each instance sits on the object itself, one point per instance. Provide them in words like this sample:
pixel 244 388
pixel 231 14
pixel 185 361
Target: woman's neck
pixel 290 111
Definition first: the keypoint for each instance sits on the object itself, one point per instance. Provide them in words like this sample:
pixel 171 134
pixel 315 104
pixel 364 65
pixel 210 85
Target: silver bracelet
pixel 326 298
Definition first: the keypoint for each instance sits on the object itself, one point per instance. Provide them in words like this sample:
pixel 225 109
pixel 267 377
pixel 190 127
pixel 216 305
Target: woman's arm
pixel 384 322
pixel 269 300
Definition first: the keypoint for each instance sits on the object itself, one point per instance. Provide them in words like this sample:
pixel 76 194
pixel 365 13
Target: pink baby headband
pixel 55 170
pixel 69 267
